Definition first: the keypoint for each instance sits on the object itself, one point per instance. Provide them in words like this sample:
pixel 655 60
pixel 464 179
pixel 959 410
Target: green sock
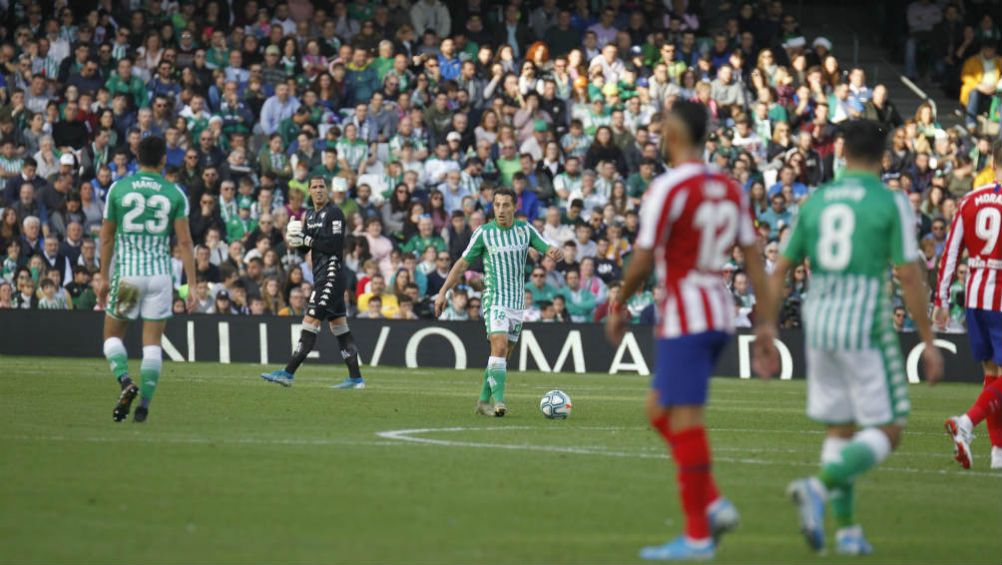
pixel 485 389
pixel 149 375
pixel 866 450
pixel 119 366
pixel 496 376
pixel 118 358
pixel 843 504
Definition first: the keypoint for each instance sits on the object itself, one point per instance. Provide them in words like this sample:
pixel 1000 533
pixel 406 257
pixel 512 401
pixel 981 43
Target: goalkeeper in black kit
pixel 322 234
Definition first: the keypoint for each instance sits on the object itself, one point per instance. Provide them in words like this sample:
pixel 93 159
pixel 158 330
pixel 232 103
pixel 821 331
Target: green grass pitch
pixel 231 469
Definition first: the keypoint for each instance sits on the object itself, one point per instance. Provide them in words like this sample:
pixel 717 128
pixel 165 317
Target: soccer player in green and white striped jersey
pixel 852 231
pixel 504 245
pixel 140 213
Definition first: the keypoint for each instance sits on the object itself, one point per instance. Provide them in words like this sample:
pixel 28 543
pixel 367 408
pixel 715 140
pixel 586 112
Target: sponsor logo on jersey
pixel 504 248
pixel 978 263
pixel 336 227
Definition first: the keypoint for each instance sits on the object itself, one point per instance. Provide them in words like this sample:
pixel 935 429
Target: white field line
pixel 410 435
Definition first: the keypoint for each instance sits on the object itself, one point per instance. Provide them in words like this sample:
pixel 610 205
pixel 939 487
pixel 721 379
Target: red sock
pixel 989 403
pixel 664 428
pixel 994 422
pixel 692 455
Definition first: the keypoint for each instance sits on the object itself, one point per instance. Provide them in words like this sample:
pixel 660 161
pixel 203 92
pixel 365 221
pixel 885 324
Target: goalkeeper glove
pixel 294 233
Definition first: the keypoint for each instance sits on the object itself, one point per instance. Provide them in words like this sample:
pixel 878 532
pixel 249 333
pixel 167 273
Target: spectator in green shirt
pixel 637 183
pixel 425 237
pixel 328 167
pixel 541 290
pixel 124 82
pixel 240 225
pixel 289 128
pixel 580 302
pixel 509 163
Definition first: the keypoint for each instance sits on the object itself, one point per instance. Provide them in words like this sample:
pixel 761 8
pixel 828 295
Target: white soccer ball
pixel 555 405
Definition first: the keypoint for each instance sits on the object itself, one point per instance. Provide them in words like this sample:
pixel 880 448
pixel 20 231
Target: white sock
pixel 996 457
pixel 497 363
pixel 114 346
pixel 965 422
pixel 831 449
pixel 877 441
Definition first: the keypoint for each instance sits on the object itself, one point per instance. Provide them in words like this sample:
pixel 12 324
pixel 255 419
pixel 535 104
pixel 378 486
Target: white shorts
pixel 866 387
pixel 504 320
pixel 148 297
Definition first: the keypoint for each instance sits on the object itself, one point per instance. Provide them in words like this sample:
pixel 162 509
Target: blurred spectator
pixel 414 112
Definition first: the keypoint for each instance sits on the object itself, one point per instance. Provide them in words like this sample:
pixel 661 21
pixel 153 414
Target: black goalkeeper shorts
pixel 327 300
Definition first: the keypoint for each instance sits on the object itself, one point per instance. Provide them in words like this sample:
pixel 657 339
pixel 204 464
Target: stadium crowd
pixel 414 113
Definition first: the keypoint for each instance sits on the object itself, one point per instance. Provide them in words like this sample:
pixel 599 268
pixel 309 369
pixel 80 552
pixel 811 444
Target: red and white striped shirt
pixel 977 228
pixel 692 217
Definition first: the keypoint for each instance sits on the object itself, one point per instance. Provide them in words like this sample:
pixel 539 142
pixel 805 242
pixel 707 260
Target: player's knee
pixel 894 433
pixel 655 411
pixel 685 417
pixel 152 356
pixel 313 328
pixel 340 329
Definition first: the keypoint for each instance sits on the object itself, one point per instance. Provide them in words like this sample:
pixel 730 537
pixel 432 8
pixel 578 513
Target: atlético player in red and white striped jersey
pixel 691 218
pixel 977 229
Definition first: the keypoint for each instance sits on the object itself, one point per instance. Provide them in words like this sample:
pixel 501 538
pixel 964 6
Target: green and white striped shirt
pixel 144 207
pixel 353 152
pixel 852 230
pixel 504 251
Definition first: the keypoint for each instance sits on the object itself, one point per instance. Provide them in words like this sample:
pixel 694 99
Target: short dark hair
pixel 504 191
pixel 694 117
pixel 152 151
pixel 865 140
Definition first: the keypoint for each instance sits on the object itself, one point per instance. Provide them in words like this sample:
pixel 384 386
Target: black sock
pixel 307 340
pixel 124 382
pixel 350 354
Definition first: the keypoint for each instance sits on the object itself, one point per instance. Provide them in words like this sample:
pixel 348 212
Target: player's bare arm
pixel 641 265
pixel 108 229
pixel 187 249
pixel 458 268
pixel 765 356
pixel 917 303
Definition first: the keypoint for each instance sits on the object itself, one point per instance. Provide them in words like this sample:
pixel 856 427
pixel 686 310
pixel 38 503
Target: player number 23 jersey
pixel 144 206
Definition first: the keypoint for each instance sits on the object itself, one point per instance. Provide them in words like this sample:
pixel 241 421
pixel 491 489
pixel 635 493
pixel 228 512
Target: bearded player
pixel 976 230
pixel 691 219
pixel 141 213
pixel 504 246
pixel 322 234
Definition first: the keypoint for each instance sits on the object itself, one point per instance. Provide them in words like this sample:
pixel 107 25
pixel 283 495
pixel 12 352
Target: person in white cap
pixel 822 48
pixel 67 164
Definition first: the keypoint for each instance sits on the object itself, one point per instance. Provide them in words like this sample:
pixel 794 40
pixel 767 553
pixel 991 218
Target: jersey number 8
pixel 159 205
pixel 835 237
